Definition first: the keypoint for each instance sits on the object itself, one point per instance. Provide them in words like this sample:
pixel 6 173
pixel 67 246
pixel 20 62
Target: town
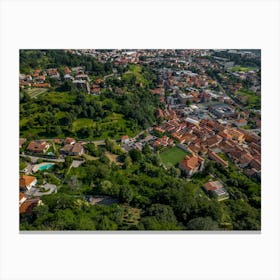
pixel 140 139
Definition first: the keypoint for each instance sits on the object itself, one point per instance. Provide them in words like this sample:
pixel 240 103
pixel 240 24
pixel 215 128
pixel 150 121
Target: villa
pixel 27 182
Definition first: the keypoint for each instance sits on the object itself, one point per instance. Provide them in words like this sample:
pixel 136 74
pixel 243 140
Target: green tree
pixel 202 223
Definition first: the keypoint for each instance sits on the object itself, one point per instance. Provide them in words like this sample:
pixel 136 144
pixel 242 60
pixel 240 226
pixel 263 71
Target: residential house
pixel 26 182
pixel 70 141
pixel 216 189
pixel 125 139
pixel 217 158
pixel 27 206
pixel 191 164
pixel 22 198
pixel 75 149
pixel 21 142
pixel 38 147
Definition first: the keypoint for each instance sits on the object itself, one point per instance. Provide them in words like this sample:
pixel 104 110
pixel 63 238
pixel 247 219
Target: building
pixel 38 147
pixel 75 149
pixel 216 189
pixel 191 164
pixel 70 141
pixel 27 182
pixel 21 142
pixel 125 139
pixel 22 198
pixel 217 158
pixel 27 206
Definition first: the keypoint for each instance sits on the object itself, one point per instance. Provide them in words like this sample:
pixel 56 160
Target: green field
pixel 173 155
pixel 82 123
pixel 239 68
pixel 135 70
pixel 35 92
pixel 253 99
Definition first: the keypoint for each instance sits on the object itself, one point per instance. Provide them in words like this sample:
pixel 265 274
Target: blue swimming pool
pixel 45 167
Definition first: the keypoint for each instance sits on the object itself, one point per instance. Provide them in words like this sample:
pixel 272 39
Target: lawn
pixel 59 97
pixel 253 99
pixel 135 70
pixel 35 92
pixel 173 155
pixel 239 68
pixel 82 123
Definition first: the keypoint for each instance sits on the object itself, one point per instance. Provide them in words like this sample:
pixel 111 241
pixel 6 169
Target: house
pixel 75 149
pixel 28 205
pixel 240 122
pixel 217 158
pixel 27 182
pixel 38 147
pixel 125 139
pixel 216 189
pixel 22 198
pixel 21 142
pixel 53 73
pixel 213 141
pixel 70 141
pixel 42 85
pixel 191 164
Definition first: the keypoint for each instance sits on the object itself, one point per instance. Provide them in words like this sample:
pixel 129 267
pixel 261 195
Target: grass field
pixel 59 97
pixel 239 68
pixel 253 99
pixel 173 155
pixel 82 123
pixel 135 70
pixel 35 92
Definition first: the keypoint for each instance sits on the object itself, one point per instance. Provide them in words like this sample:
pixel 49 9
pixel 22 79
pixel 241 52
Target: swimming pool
pixel 46 166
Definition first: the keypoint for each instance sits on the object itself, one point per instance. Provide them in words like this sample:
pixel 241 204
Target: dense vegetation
pixel 165 200
pixel 146 189
pixel 67 111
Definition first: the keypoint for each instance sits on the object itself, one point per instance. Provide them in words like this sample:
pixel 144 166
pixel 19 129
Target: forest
pixel 149 196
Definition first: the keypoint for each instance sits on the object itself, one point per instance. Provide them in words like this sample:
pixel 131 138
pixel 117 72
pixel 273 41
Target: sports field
pixel 173 155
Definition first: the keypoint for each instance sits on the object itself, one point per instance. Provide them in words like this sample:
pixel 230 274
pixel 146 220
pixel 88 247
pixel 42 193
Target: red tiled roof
pixel 125 137
pixel 26 180
pixel 37 146
pixel 28 205
pixel 213 185
pixel 191 162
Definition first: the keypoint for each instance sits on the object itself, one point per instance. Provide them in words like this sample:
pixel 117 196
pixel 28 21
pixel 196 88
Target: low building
pixel 21 142
pixel 217 158
pixel 27 182
pixel 70 141
pixel 27 206
pixel 38 147
pixel 125 139
pixel 22 198
pixel 216 189
pixel 75 149
pixel 191 164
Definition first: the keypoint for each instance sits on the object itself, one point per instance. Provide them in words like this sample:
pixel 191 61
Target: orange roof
pixel 125 137
pixel 28 205
pixel 41 85
pixel 26 180
pixel 214 185
pixel 191 162
pixel 69 140
pixel 21 195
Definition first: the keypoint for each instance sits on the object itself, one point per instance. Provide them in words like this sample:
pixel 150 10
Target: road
pixel 34 158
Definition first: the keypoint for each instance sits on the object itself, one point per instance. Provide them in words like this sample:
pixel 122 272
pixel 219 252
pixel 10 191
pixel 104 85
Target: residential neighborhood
pixel 157 138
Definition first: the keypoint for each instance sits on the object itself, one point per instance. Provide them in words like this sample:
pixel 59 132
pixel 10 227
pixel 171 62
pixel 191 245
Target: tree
pixel 202 223
pixel 135 155
pixel 126 194
pixel 68 161
pixel 106 187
